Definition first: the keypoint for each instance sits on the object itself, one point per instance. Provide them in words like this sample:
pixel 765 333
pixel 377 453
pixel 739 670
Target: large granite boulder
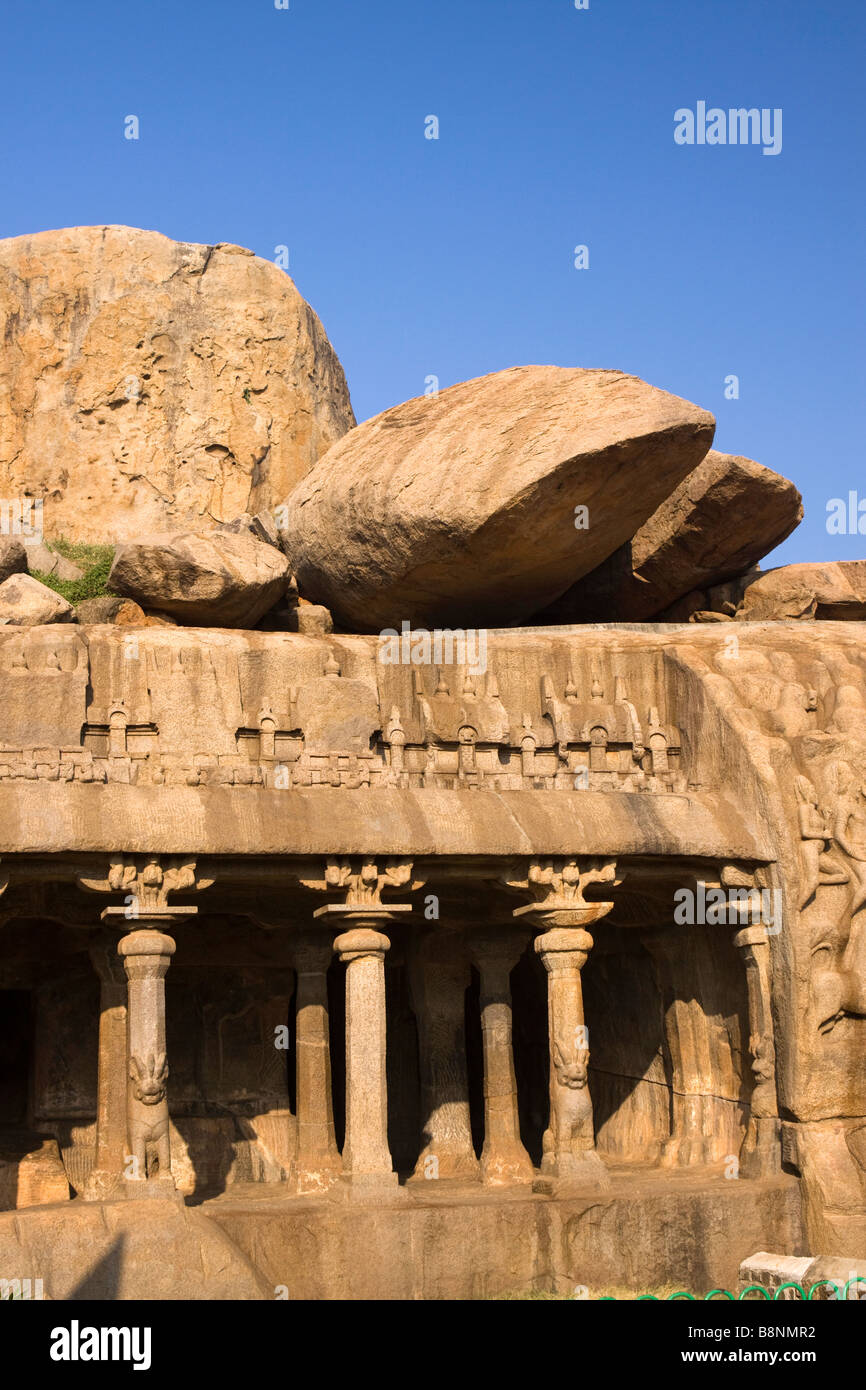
pixel 724 517
pixel 147 383
pixel 836 589
pixel 478 506
pixel 25 602
pixel 220 579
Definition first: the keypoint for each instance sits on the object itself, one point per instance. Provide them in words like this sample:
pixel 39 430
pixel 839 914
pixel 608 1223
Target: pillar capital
pixel 556 889
pixel 563 947
pixel 361 881
pixel 146 953
pixel 499 948
pixel 146 881
pixel 310 952
pixel 361 940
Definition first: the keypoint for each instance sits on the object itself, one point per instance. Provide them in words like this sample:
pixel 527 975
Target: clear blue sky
pixel 305 127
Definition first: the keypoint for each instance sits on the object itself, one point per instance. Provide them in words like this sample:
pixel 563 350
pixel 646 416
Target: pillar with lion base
pixel 146 950
pixel 570 1160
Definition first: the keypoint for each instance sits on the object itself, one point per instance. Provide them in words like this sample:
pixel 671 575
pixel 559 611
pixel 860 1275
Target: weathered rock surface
pixel 31 1170
pixel 312 620
pixel 221 579
pixel 24 602
pixel 45 561
pixel 460 508
pixel 148 383
pixel 261 525
pixel 152 1250
pixel 833 590
pixel 722 599
pixel 121 612
pixel 726 515
pixel 13 557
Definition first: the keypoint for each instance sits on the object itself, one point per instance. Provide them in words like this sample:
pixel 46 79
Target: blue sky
pixel 454 257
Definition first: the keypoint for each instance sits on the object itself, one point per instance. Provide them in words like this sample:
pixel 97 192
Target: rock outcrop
pixel 724 517
pixel 221 579
pixel 480 505
pixel 24 602
pixel 147 383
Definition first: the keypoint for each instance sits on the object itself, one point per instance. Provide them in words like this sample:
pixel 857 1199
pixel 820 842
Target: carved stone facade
pixel 345 929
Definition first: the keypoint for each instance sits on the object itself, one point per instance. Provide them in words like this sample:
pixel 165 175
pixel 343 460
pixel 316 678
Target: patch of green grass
pixel 94 560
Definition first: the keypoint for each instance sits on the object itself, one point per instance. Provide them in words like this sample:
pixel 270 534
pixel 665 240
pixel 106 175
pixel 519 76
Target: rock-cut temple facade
pixel 394 980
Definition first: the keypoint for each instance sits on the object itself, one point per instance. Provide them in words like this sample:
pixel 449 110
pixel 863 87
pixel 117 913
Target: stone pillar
pixel 146 954
pixel 367 1165
pixel 699 1132
pixel 318 1160
pixel 439 976
pixel 106 1177
pixel 760 1154
pixel 504 1160
pixel 569 1157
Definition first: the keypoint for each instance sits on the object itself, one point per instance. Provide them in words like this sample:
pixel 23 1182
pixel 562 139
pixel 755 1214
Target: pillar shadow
pixel 102 1281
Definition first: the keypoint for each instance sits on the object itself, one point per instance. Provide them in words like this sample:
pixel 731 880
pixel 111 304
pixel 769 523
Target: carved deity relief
pixel 818 864
pixel 809 704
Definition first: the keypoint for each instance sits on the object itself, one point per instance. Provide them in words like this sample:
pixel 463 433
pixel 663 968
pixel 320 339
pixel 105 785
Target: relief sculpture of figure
pixel 849 830
pixel 148 1116
pixel 818 865
pixel 571 1127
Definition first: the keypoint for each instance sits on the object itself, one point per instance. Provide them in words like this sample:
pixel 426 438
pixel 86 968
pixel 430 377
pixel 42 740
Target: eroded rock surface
pixel 147 383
